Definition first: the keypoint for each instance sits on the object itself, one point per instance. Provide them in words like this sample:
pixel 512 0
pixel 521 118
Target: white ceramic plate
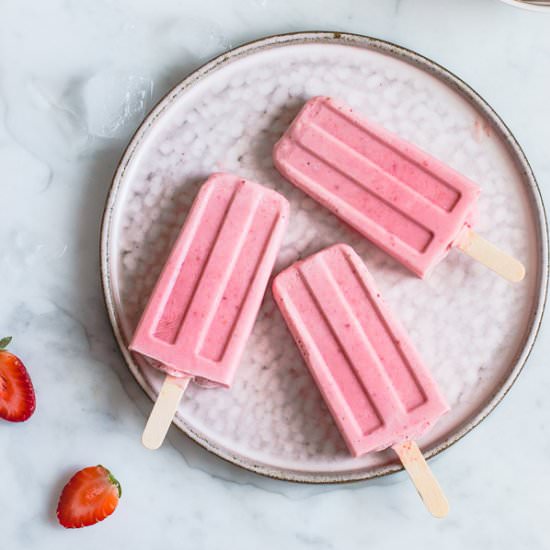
pixel 473 329
pixel 532 7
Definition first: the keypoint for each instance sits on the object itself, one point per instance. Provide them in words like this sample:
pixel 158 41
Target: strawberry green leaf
pixel 113 480
pixel 4 342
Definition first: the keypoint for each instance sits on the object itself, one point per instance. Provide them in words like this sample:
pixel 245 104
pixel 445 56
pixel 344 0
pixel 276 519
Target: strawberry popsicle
pixel 408 203
pixel 206 299
pixel 376 386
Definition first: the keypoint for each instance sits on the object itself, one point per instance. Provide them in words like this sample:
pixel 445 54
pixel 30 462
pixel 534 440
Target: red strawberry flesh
pixel 90 496
pixel 17 399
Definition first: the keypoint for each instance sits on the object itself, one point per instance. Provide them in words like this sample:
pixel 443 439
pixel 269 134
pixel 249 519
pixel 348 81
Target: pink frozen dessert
pixel 206 299
pixel 405 201
pixel 376 386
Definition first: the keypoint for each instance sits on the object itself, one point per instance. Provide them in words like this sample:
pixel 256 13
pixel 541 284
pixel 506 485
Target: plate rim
pixel 419 61
pixel 524 6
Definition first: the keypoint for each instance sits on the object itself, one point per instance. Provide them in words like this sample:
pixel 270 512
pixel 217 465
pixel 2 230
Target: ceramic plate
pixel 524 5
pixel 474 329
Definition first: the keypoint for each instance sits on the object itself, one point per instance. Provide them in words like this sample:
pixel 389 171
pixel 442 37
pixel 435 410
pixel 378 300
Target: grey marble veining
pixel 58 150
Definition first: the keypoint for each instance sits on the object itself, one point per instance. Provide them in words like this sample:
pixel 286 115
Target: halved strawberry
pixel 17 400
pixel 90 496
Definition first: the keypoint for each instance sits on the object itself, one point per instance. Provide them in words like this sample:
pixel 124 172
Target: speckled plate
pixel 473 329
pixel 525 6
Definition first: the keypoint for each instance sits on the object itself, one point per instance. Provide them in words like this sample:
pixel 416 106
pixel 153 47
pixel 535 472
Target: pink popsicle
pixel 376 386
pixel 408 203
pixel 206 299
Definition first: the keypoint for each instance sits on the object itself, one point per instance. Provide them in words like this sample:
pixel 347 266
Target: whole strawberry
pixel 91 495
pixel 17 399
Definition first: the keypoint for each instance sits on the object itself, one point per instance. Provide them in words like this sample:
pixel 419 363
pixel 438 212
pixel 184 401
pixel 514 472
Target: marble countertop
pixel 75 80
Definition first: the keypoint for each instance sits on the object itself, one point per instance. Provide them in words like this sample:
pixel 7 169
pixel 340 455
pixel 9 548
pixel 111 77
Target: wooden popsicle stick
pixel 425 482
pixel 489 255
pixel 163 411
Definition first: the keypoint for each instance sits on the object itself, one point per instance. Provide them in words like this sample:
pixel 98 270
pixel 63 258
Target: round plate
pixel 532 7
pixel 473 329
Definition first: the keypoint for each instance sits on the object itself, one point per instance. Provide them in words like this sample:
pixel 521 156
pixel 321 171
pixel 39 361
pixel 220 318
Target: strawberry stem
pixel 4 342
pixel 113 480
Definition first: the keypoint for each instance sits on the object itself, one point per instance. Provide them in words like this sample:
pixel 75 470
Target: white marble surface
pixel 65 70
